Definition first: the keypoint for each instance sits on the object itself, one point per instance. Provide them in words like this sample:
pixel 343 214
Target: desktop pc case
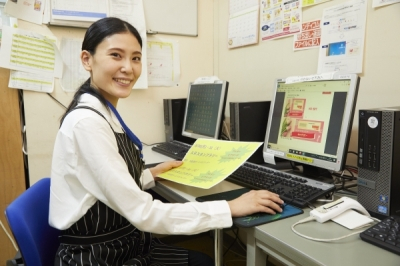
pixel 379 161
pixel 174 112
pixel 248 122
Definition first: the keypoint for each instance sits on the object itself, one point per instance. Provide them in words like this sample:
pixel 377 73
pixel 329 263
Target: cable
pixel 352 152
pixel 51 96
pixel 233 242
pixel 12 240
pixel 309 219
pixel 153 143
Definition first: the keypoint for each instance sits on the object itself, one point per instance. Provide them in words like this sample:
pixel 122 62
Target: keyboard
pixel 293 189
pixel 174 149
pixel 384 234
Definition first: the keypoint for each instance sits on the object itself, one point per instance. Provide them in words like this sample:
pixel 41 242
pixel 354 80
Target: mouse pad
pixel 256 218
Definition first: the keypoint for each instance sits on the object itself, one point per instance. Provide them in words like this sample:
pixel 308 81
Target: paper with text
pixel 30 52
pixel 279 18
pixel 309 36
pixel 28 10
pixel 78 10
pixel 163 68
pixel 32 82
pixel 209 161
pixel 342 37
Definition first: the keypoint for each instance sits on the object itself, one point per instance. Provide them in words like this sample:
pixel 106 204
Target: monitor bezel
pixel 345 131
pixel 220 115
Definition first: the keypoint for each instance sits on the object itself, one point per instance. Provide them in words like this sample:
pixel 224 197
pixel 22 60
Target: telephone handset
pixel 331 210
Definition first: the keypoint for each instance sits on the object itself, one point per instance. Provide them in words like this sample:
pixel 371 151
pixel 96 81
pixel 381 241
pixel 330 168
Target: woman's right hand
pixel 256 201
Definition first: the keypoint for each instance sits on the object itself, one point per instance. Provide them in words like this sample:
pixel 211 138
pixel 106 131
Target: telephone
pixel 331 210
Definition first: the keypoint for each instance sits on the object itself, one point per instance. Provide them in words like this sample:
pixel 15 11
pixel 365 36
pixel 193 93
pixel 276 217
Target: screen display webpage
pixel 307 120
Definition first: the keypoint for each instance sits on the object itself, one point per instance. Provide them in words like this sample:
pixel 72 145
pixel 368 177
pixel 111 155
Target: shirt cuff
pixel 221 214
pixel 147 179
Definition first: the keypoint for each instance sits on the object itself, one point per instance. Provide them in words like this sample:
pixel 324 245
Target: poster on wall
pixel 279 18
pixel 163 68
pixel 342 37
pixel 309 37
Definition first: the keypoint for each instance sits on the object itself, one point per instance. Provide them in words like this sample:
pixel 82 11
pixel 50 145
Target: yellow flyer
pixel 210 161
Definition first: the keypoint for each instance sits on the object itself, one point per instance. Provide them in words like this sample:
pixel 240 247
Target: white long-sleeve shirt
pixel 87 167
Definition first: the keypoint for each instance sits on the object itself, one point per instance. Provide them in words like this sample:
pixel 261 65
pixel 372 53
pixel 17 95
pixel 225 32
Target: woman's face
pixel 115 66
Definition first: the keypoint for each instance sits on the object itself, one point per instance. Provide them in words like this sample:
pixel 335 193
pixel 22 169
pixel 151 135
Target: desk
pixel 279 241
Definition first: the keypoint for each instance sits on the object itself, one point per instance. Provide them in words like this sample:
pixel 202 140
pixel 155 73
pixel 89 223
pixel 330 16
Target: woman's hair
pixel 94 35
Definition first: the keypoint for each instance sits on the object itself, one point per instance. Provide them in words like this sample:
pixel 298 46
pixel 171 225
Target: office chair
pixel 28 218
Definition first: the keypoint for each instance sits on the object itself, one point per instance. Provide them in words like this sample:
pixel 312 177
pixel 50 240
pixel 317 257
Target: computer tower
pixel 248 122
pixel 174 112
pixel 379 161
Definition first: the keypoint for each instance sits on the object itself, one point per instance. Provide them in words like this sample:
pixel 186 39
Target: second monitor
pixel 205 110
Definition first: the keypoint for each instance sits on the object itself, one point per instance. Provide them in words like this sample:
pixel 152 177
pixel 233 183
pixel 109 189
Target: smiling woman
pixel 98 178
pixel 115 67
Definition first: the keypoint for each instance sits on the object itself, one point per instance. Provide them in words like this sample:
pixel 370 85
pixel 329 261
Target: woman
pixel 98 178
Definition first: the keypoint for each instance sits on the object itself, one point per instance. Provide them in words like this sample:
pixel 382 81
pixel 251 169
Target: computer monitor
pixel 310 122
pixel 205 109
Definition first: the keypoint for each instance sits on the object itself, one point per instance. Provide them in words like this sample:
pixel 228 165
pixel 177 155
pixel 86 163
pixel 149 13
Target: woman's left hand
pixel 163 167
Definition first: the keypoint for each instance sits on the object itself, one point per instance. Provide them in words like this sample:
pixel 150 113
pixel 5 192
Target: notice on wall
pixel 342 37
pixel 279 18
pixel 309 37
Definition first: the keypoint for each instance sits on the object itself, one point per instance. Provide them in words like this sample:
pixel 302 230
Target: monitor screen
pixel 310 122
pixel 205 109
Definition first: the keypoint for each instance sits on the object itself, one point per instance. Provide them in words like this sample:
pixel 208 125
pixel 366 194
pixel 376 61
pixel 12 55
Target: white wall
pixel 251 70
pixel 142 111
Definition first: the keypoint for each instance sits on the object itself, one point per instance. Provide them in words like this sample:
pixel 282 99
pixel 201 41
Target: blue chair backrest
pixel 28 218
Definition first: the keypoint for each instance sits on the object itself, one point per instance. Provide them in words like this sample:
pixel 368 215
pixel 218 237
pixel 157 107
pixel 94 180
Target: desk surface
pixel 277 238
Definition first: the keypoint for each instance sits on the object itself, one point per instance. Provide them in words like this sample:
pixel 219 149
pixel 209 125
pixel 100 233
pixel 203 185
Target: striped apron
pixel 103 237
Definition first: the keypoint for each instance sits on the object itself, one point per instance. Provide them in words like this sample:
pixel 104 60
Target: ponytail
pixel 84 88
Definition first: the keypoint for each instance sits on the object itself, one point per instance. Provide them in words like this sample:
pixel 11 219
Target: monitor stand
pixel 314 173
pixel 280 164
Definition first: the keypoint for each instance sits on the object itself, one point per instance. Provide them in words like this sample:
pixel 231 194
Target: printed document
pixel 29 51
pixel 78 10
pixel 210 161
pixel 280 18
pixel 29 10
pixel 163 63
pixel 31 82
pixel 309 37
pixel 342 37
